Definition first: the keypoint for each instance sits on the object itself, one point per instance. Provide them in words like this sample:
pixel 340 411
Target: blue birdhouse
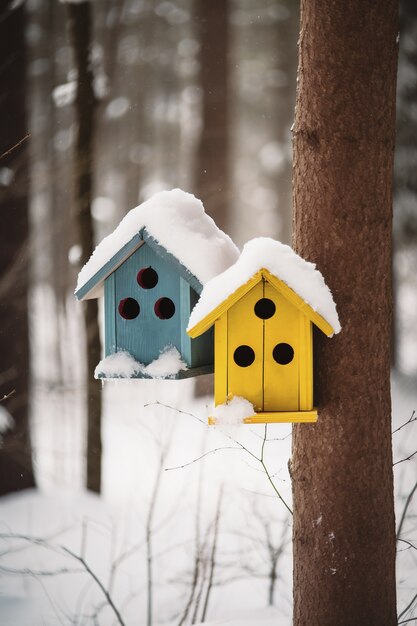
pixel 151 270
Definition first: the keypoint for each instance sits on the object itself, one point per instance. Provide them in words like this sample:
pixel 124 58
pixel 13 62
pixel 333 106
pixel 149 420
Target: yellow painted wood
pixel 244 328
pixel 306 364
pixel 283 417
pixel 209 320
pixel 281 382
pixel 220 359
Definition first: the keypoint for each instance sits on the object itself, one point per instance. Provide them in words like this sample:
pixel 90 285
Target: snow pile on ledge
pixel 123 365
pixel 281 261
pixel 178 222
pixel 233 411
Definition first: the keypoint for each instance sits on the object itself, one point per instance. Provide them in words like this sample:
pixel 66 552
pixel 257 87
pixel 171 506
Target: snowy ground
pixel 162 511
pixel 56 588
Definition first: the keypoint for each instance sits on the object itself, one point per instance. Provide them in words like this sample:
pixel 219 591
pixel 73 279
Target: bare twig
pixel 169 469
pixel 212 556
pixel 39 541
pixel 26 571
pixel 7 395
pixel 98 581
pixel 406 459
pixel 173 408
pixel 16 145
pixel 404 513
pixel 240 445
pixel 413 418
pixel 409 605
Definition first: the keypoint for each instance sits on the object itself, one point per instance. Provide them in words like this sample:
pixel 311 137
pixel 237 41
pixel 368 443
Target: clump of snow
pixel 281 261
pixel 123 365
pixel 168 363
pixel 6 422
pixel 120 365
pixel 178 222
pixel 233 411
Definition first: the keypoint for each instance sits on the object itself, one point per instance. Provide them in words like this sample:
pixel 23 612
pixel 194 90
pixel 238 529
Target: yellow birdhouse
pixel 262 309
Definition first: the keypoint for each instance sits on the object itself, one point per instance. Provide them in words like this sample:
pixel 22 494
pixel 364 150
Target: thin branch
pixel 44 573
pixel 406 459
pixel 404 513
pixel 406 621
pixel 413 418
pixel 7 395
pixel 173 408
pixel 212 556
pixel 169 469
pixel 409 545
pixel 97 580
pixel 240 445
pixel 63 549
pixel 16 145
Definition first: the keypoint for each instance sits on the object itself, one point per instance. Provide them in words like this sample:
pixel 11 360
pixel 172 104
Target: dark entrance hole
pixel 264 308
pixel 164 308
pixel 244 356
pixel 283 353
pixel 129 308
pixel 147 278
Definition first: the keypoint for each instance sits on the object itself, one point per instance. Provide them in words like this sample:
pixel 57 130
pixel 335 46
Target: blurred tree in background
pixel 16 470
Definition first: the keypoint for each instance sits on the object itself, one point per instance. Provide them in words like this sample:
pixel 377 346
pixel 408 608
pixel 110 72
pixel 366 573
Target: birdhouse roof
pixel 173 221
pixel 298 280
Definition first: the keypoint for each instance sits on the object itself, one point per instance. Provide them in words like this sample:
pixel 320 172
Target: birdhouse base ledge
pixel 277 417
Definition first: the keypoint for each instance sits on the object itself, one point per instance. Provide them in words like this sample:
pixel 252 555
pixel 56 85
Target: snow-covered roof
pixel 283 263
pixel 177 221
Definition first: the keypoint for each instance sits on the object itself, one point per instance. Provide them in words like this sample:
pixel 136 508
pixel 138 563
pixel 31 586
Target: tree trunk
pixel 80 28
pixel 344 534
pixel 16 471
pixel 212 177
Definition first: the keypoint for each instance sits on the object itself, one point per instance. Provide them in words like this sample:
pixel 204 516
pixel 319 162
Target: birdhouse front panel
pixel 263 352
pixel 147 305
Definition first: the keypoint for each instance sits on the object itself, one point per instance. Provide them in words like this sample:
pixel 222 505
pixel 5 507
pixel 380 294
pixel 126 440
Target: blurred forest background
pixel 102 104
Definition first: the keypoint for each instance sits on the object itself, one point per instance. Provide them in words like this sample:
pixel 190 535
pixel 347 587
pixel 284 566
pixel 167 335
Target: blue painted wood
pixel 109 315
pixel 185 315
pixel 202 348
pixel 173 262
pixel 146 336
pixel 108 267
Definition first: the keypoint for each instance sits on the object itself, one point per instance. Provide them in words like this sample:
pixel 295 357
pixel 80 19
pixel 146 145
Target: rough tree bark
pixel 212 176
pixel 16 470
pixel 343 137
pixel 85 104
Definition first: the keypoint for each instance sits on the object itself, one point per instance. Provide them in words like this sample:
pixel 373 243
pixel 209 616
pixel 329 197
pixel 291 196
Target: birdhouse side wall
pixel 202 348
pixel 197 352
pixel 110 345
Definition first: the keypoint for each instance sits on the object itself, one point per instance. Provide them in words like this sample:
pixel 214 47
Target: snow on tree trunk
pixel 16 470
pixel 343 137
pixel 80 29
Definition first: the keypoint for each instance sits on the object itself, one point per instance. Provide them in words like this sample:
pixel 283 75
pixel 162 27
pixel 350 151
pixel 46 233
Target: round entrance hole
pixel 264 308
pixel 129 308
pixel 147 278
pixel 164 308
pixel 283 353
pixel 244 356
